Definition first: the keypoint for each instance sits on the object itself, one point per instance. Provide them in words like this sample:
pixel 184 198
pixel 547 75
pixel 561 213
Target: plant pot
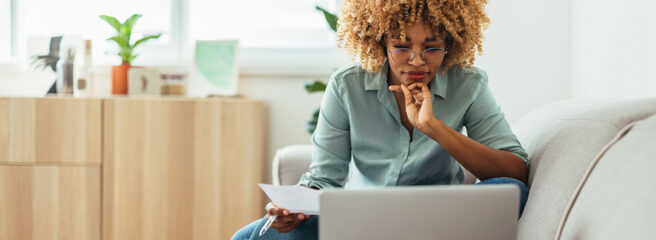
pixel 120 78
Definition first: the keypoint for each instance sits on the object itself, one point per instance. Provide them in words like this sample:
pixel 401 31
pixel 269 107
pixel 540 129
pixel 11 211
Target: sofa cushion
pixel 562 139
pixel 616 201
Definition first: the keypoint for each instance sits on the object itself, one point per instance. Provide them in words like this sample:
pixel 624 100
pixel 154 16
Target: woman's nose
pixel 417 59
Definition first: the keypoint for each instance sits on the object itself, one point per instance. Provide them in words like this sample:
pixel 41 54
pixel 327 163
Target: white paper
pixel 296 199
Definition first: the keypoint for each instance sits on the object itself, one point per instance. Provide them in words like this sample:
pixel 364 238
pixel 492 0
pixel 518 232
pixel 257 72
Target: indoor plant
pixel 126 49
pixel 318 86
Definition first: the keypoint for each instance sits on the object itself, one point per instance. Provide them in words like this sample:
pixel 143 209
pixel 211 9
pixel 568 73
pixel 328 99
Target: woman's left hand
pixel 418 104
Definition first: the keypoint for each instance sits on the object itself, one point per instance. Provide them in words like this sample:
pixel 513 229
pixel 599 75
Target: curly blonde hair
pixel 363 25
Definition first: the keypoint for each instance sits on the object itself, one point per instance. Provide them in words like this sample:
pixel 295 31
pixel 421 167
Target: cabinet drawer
pixel 50 130
pixel 49 202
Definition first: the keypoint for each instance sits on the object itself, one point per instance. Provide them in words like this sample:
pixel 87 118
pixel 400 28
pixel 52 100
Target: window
pixel 261 23
pixel 5 30
pixel 274 35
pixel 80 18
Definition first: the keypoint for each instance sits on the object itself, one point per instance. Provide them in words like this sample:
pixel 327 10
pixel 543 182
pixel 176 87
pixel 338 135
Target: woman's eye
pixel 431 49
pixel 400 47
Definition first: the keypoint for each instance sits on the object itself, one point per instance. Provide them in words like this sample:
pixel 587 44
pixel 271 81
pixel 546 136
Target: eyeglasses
pixel 429 55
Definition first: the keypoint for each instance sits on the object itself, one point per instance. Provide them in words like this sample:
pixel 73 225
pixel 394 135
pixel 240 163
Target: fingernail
pixel 286 212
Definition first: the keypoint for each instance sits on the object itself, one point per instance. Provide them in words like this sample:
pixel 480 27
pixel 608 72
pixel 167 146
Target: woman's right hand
pixel 285 222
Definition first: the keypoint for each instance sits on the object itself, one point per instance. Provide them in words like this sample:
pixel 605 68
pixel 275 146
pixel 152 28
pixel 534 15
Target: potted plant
pixel 311 87
pixel 318 86
pixel 126 49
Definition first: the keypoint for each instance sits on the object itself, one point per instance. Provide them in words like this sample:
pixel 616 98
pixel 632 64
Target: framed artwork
pixel 144 81
pixel 214 70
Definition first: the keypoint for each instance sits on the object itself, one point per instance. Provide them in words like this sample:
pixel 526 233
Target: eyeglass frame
pixel 412 56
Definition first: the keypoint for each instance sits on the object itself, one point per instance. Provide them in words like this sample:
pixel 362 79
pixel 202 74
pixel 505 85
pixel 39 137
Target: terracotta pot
pixel 120 78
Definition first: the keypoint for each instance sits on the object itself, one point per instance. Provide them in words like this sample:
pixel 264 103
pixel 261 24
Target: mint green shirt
pixel 360 136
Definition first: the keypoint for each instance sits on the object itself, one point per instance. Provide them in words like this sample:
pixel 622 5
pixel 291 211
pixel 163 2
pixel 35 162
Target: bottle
pixel 66 72
pixel 84 82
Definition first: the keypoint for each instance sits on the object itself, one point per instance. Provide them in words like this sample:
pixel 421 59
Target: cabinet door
pixel 50 130
pixel 181 168
pixel 49 202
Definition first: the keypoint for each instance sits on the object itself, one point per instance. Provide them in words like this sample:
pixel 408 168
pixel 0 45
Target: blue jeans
pixel 309 228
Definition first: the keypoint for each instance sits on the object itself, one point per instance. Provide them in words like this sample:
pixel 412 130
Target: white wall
pixel 289 106
pixel 614 48
pixel 526 53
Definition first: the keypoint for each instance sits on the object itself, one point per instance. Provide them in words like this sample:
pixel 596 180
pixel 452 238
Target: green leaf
pixel 126 55
pixel 124 33
pixel 316 86
pixel 129 23
pixel 311 124
pixel 120 41
pixel 331 18
pixel 112 21
pixel 146 38
pixel 132 57
pixel 315 115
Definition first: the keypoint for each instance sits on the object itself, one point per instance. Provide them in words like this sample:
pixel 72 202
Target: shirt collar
pixel 377 81
pixel 440 83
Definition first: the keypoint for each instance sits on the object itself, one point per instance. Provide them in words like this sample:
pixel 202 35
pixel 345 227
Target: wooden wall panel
pixel 49 202
pixel 181 168
pixel 50 130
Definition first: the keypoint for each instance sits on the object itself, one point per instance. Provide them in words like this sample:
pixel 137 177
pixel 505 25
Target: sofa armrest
pixel 291 162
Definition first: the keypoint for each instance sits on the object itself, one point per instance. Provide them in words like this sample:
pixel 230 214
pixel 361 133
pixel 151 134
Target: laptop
pixel 420 212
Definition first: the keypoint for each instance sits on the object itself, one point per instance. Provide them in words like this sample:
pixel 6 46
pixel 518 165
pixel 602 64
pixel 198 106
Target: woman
pixel 395 118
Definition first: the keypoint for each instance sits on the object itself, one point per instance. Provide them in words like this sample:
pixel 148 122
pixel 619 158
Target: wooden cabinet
pixel 50 130
pixel 50 166
pixel 130 168
pixel 181 169
pixel 49 202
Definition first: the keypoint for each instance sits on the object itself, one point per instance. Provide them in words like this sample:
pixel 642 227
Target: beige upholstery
pixel 293 161
pixel 562 140
pixel 290 163
pixel 617 200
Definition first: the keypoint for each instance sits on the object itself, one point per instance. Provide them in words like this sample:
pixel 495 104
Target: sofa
pixel 590 173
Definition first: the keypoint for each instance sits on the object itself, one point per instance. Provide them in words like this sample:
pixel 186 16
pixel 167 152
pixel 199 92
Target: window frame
pixel 14 40
pixel 252 61
pixel 10 32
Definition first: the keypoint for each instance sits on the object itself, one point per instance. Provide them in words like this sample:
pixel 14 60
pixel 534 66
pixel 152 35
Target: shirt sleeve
pixel 331 140
pixel 487 125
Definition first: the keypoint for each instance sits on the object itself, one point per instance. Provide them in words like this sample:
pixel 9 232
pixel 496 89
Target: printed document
pixel 296 199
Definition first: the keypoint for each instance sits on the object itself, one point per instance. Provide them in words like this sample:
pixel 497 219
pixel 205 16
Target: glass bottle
pixel 66 72
pixel 84 81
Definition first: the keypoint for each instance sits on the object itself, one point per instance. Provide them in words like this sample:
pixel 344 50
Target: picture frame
pixel 214 70
pixel 144 81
